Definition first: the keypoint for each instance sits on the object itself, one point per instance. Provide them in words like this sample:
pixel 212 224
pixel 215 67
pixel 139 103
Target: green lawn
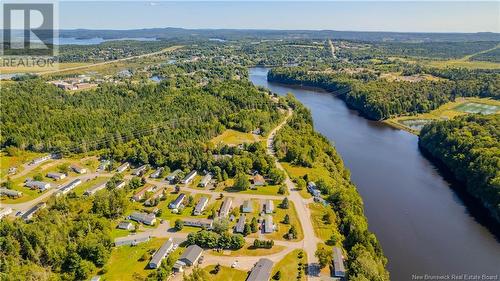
pixel 79 190
pixel 322 230
pixel 289 266
pixel 124 261
pixel 20 158
pixel 232 137
pixel 226 274
pixel 282 229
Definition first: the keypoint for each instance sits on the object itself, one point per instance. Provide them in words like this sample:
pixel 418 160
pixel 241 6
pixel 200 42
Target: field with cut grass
pixel 226 273
pixel 469 64
pixel 321 228
pixel 20 157
pixel 232 137
pixel 449 110
pixel 125 264
pixel 281 228
pixel 314 174
pixel 42 68
pixel 289 266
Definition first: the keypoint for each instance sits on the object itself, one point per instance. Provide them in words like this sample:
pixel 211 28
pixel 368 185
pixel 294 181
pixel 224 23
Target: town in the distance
pixel 252 155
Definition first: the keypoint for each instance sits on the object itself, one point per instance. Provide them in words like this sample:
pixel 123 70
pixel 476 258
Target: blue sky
pixel 423 16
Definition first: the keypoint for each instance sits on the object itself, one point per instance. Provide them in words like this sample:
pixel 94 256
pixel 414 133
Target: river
pixel 419 217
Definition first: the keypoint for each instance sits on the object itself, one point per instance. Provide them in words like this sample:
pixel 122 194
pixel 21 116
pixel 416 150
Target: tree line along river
pixel 423 221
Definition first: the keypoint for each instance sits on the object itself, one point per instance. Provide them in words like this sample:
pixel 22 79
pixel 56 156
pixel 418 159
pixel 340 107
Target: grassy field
pixel 232 137
pixel 289 266
pixel 446 111
pixel 226 274
pixel 37 69
pixel 17 160
pixel 281 228
pixel 460 63
pixel 125 264
pixel 322 230
pixel 79 190
pixel 314 174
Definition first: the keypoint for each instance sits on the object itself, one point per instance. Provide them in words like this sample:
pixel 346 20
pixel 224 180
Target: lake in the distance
pixel 422 223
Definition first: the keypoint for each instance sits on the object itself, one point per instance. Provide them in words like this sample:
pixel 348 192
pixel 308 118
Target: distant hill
pixel 234 34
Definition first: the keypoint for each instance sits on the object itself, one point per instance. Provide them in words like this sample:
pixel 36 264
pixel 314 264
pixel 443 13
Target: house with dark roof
pixel 29 214
pixel 261 271
pixel 189 178
pixel 177 202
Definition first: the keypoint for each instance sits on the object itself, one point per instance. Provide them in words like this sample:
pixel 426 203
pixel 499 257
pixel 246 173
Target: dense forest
pixel 65 241
pixel 380 99
pixel 108 50
pixel 469 146
pixel 160 124
pixel 298 143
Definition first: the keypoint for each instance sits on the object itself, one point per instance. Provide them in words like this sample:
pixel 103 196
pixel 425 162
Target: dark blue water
pixel 419 218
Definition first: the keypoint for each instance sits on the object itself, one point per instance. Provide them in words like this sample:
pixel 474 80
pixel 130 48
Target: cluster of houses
pixel 71 84
pixel 268 209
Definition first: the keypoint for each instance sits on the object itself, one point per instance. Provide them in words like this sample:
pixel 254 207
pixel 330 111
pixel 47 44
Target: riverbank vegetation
pixel 380 99
pixel 298 144
pixel 469 147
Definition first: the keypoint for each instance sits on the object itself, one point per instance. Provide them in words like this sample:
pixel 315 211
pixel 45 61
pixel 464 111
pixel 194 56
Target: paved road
pixel 310 240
